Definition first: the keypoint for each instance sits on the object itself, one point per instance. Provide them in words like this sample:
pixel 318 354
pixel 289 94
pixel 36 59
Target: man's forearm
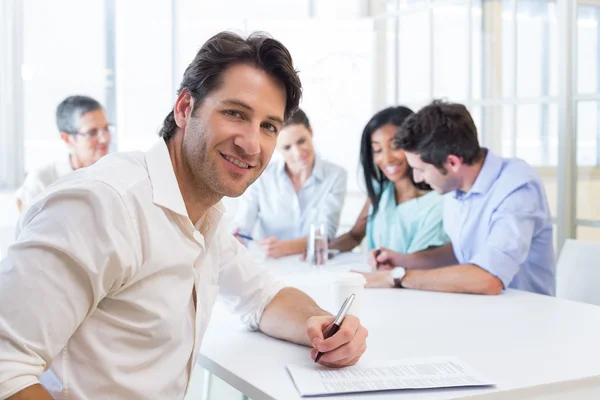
pixel 33 392
pixel 466 278
pixel 437 257
pixel 286 315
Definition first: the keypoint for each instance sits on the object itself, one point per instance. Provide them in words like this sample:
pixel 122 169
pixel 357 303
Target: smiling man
pixel 87 133
pixel 110 286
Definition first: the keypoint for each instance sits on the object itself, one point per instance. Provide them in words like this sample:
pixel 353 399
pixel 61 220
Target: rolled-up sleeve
pixel 69 252
pixel 247 211
pixel 511 232
pixel 244 285
pixel 330 210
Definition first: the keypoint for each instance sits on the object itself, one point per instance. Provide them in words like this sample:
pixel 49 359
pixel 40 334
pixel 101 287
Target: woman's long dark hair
pixel 374 177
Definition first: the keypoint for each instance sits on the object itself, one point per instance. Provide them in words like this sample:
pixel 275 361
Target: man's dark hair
pixel 70 110
pixel 374 177
pixel 438 130
pixel 225 49
pixel 298 118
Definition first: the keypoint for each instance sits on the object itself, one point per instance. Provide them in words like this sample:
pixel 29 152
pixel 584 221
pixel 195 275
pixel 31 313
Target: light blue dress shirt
pixel 408 227
pixel 503 225
pixel 273 203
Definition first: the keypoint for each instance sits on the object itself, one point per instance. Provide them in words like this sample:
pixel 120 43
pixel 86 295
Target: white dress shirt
pixel 39 179
pixel 272 201
pixel 99 285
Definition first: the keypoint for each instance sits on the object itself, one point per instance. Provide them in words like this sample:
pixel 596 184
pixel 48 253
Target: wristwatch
pixel 397 275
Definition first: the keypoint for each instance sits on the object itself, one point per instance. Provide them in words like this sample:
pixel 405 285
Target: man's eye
pixel 233 113
pixel 270 127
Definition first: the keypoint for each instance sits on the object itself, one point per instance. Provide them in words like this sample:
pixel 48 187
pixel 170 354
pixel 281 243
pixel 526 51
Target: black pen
pixel 377 253
pixel 337 322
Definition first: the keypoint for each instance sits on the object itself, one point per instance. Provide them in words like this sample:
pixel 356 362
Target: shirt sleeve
pixel 330 209
pixel 511 231
pixel 430 231
pixel 244 285
pixel 72 249
pixel 247 212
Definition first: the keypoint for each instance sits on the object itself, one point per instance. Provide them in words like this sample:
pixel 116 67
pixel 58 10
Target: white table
pixel 533 346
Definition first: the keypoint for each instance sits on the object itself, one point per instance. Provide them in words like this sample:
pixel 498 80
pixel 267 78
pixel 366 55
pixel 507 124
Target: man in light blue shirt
pixel 495 212
pixel 293 192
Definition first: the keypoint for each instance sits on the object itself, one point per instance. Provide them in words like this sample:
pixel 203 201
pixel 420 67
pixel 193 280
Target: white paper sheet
pixel 417 373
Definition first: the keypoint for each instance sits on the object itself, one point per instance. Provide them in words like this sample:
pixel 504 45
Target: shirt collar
pixel 318 169
pixel 165 189
pixel 492 165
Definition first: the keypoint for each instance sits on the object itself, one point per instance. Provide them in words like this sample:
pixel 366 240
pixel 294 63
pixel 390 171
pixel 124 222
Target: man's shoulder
pixel 515 173
pixel 120 171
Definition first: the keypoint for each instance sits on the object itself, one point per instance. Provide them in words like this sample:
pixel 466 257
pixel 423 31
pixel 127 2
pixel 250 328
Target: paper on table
pixel 417 373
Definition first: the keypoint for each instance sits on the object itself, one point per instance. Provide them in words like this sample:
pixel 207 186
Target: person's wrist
pixel 389 279
pixel 398 274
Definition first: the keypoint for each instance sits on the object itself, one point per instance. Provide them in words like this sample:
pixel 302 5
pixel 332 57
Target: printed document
pixel 417 373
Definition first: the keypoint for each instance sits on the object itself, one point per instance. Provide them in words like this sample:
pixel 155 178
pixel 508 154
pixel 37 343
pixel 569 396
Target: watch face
pixel 398 273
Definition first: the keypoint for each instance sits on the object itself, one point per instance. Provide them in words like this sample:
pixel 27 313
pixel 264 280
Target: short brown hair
pixel 438 130
pixel 225 49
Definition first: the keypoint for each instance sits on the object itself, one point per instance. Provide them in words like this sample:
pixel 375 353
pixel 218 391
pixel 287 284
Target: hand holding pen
pixel 383 259
pixel 340 344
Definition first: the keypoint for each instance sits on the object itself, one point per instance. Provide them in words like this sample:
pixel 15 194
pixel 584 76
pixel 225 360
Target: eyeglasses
pixel 97 133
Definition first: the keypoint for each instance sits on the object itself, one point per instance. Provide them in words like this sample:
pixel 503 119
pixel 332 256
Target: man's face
pixel 229 139
pixel 442 181
pixel 92 139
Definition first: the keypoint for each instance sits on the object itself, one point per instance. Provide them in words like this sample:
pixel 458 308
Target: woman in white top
pixel 292 193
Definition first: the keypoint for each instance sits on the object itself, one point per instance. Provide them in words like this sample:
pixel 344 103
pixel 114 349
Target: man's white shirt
pixel 100 284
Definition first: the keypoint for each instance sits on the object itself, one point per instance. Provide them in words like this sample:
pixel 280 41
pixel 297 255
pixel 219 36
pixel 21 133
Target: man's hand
pixel 384 259
pixel 342 349
pixel 378 279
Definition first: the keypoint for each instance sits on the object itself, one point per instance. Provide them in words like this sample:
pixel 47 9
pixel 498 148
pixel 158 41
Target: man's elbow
pixel 492 286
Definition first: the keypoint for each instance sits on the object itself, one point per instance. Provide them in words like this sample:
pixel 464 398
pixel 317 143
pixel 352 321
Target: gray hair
pixel 70 110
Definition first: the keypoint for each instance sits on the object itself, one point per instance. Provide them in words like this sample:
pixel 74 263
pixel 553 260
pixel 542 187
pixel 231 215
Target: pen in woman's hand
pixel 241 235
pixel 377 253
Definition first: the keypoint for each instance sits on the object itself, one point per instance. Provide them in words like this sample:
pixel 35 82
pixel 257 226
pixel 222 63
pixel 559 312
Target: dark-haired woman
pixel 400 214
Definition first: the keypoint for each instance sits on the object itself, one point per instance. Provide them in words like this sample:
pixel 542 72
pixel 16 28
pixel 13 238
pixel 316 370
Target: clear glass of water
pixel 317 251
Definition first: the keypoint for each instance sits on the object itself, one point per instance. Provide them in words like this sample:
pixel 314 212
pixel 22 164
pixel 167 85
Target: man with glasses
pixel 84 128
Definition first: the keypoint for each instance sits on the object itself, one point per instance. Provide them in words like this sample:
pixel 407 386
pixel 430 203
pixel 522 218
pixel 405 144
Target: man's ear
pixel 310 132
pixel 453 163
pixel 183 108
pixel 67 138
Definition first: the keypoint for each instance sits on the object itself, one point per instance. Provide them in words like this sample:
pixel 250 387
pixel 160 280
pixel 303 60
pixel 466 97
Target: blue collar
pixel 490 170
